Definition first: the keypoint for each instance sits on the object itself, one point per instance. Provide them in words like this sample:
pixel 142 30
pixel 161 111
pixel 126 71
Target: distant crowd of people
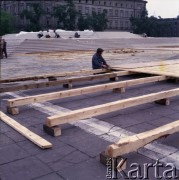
pixel 3 48
pixel 54 34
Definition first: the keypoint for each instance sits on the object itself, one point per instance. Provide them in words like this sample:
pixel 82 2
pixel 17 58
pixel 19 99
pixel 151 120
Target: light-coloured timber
pixel 45 76
pixel 63 81
pixel 39 141
pixel 146 64
pixel 133 143
pixel 165 68
pixel 89 112
pixel 80 91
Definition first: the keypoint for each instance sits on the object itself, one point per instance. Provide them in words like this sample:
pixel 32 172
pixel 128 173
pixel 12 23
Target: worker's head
pixel 99 51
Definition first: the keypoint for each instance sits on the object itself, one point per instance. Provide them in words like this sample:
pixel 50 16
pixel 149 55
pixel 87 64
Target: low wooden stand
pixel 116 164
pixel 53 131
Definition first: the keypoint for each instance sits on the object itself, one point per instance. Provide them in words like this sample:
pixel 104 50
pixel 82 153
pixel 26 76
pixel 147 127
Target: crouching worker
pixel 98 61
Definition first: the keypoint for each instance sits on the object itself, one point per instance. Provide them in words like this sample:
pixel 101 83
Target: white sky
pixel 163 8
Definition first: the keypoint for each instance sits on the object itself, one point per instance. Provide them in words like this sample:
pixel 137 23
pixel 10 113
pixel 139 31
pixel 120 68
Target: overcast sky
pixel 163 8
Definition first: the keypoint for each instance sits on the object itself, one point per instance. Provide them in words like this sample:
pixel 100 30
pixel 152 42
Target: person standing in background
pixel 1 48
pixel 4 48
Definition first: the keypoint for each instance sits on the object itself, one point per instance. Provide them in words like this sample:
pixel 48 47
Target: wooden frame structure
pixel 168 68
pixel 12 104
pixel 47 76
pixel 109 107
pixel 133 143
pixel 67 81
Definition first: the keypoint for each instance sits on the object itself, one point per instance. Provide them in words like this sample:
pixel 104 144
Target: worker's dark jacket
pixel 4 45
pixel 98 61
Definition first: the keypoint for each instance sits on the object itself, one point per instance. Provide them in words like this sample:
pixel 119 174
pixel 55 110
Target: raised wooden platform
pixel 168 68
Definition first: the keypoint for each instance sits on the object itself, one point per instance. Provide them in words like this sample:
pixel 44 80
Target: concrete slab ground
pixel 75 154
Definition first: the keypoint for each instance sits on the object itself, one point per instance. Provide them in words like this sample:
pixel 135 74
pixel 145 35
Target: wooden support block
pixel 53 131
pixel 13 110
pixel 52 78
pixel 119 90
pixel 114 79
pixel 116 163
pixel 165 102
pixel 69 86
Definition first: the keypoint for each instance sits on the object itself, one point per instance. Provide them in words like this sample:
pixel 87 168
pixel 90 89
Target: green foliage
pixel 66 15
pixel 84 23
pixel 34 16
pixel 152 26
pixel 6 26
pixel 70 19
pixel 99 21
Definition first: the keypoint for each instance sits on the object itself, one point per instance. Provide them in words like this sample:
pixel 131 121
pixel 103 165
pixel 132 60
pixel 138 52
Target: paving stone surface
pixel 75 154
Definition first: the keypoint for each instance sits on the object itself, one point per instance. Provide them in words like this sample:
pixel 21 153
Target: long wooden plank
pixel 85 90
pixel 39 141
pixel 108 107
pixel 63 81
pixel 133 143
pixel 45 76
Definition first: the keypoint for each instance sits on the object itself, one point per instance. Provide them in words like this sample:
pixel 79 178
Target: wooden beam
pixel 80 91
pixel 39 141
pixel 63 81
pixel 45 76
pixel 133 143
pixel 89 112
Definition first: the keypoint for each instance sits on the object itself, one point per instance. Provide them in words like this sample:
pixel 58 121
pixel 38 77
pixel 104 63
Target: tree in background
pixel 152 26
pixel 84 23
pixel 6 26
pixel 140 24
pixel 99 21
pixel 34 16
pixel 70 19
pixel 66 15
pixel 60 13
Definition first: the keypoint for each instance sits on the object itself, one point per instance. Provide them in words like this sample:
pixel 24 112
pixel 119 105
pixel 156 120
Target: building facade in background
pixel 118 11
